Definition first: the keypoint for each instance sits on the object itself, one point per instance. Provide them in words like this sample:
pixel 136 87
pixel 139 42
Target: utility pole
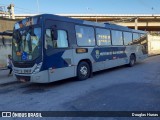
pixel 38 6
pixel 152 11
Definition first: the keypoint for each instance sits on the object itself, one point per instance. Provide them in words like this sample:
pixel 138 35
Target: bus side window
pixel 127 38
pixel 61 42
pixel 117 38
pixel 85 35
pixel 136 38
pixel 103 37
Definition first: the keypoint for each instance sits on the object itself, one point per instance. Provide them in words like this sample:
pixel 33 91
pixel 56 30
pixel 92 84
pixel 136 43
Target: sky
pixel 84 6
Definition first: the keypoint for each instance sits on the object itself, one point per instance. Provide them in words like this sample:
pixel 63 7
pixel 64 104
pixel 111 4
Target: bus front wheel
pixel 83 71
pixel 132 61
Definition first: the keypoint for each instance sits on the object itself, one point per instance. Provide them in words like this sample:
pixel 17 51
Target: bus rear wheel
pixel 132 60
pixel 83 71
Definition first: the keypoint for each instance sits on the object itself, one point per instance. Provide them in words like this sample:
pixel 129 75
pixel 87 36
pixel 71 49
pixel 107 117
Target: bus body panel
pixel 63 71
pixel 72 59
pixel 40 77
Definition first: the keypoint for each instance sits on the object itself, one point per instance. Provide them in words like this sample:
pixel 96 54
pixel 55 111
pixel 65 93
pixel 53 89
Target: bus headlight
pixel 37 69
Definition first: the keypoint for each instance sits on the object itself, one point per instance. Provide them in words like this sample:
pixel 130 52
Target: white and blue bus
pixel 49 48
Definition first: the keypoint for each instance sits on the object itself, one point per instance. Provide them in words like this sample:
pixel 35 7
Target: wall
pixel 6 24
pixel 153 45
pixel 5 50
pixel 5 45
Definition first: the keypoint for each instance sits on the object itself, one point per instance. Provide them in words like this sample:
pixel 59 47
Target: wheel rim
pixel 84 71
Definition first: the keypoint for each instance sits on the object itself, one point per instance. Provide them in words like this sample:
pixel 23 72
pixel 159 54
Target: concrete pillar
pixel 136 24
pixel 11 11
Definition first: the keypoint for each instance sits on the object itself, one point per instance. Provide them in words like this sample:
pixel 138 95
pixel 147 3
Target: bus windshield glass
pixel 26 43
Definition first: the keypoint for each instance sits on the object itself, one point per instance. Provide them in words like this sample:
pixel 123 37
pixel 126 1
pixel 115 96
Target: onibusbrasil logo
pixel 21 114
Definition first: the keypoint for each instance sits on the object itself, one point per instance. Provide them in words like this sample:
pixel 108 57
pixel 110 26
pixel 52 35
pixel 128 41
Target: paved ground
pixel 5 79
pixel 118 89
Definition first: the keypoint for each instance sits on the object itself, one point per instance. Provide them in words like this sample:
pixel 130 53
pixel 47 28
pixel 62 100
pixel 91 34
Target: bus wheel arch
pixel 132 60
pixel 84 69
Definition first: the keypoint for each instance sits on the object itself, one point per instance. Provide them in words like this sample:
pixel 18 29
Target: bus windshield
pixel 26 43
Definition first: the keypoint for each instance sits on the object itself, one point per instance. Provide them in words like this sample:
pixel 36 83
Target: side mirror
pixel 54 34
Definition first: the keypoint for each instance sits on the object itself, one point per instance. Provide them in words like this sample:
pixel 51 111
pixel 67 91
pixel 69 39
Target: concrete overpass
pixel 148 22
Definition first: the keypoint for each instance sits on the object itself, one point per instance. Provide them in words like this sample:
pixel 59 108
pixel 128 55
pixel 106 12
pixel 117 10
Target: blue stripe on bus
pixel 110 53
pixel 55 61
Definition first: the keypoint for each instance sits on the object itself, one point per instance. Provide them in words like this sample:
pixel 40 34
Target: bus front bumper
pixel 40 77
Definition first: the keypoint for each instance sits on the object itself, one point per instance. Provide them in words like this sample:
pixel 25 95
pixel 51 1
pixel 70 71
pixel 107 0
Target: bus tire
pixel 83 71
pixel 132 60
